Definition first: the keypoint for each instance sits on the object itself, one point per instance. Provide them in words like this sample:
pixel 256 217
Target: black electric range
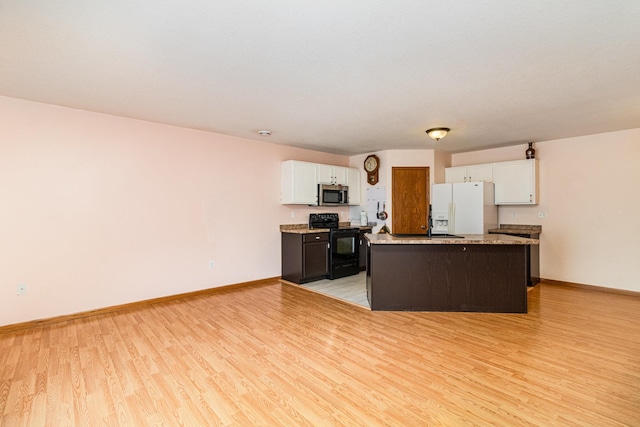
pixel 344 245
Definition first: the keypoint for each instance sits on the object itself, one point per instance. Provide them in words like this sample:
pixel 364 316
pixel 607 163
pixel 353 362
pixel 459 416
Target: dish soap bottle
pixel 531 152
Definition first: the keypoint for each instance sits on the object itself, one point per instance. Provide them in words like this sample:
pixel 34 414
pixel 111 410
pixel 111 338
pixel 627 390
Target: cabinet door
pixel 340 175
pixel 315 257
pixel 325 174
pixel 515 182
pixel 455 174
pixel 353 181
pixel 298 186
pixel 483 172
pixel 336 175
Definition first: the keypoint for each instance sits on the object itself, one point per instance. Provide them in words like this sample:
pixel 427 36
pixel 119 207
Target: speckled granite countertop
pixel 304 228
pixel 468 239
pixel 517 229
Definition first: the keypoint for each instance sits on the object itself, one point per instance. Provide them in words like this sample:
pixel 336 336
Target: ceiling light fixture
pixel 438 133
pixel 264 132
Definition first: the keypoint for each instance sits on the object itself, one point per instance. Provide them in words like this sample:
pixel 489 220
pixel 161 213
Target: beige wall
pixel 100 210
pixel 590 197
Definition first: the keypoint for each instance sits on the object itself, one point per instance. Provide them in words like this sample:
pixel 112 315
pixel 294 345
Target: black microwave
pixel 333 195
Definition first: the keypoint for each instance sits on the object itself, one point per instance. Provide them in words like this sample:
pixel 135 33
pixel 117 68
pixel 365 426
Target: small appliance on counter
pixel 363 219
pixel 344 245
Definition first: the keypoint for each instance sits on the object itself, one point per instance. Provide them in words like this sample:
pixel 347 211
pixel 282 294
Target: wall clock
pixel 371 166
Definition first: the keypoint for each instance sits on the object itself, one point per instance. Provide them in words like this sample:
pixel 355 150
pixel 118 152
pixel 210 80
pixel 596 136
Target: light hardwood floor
pixel 352 288
pixel 277 354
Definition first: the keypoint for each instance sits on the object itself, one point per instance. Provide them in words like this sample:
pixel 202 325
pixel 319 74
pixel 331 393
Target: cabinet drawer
pixel 315 237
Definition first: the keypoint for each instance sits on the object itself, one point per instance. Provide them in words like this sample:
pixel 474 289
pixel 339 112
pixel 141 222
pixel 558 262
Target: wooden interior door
pixel 409 200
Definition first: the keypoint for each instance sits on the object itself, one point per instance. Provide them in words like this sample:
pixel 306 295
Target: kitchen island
pixel 484 273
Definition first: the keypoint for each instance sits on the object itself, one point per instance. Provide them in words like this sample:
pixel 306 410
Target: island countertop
pixel 467 239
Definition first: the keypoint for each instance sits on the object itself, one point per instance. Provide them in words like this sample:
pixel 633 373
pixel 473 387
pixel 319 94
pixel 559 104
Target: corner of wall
pixel 442 161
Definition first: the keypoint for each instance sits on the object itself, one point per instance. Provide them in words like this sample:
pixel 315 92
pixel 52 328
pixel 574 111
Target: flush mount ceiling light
pixel 438 133
pixel 264 132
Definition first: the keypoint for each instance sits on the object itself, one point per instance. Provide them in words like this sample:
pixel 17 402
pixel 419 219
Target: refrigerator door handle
pixel 452 229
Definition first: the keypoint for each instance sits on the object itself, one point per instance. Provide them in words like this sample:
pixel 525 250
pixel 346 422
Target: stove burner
pixel 324 220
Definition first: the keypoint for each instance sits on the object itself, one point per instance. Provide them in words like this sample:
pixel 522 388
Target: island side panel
pixel 398 276
pixel 498 278
pixel 488 278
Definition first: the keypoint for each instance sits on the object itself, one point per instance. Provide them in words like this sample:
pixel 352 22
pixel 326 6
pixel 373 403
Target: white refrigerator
pixel 463 208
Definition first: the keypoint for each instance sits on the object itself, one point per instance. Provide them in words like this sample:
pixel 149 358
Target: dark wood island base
pixel 480 273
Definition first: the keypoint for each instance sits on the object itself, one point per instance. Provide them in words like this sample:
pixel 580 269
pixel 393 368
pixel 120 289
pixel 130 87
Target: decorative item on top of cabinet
pixel 371 166
pixel 531 152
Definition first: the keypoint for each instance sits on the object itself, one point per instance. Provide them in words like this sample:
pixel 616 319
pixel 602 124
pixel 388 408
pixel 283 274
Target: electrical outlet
pixel 514 215
pixel 293 214
pixel 22 289
pixel 211 264
pixel 542 215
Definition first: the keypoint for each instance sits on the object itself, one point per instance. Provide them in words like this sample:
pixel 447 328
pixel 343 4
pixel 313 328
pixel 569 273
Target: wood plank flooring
pixel 277 354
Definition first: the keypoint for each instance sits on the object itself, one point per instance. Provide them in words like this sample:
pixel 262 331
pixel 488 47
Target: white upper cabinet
pixel 353 181
pixel 324 174
pixel 300 181
pixel 482 172
pixel 455 174
pixel 336 175
pixel 516 182
pixel 299 186
pixel 341 175
pixel 471 173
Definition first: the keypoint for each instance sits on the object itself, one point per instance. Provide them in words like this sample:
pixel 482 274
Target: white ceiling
pixel 345 77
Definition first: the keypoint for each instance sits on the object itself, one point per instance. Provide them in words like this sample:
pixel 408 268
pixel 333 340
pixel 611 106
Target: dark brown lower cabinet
pixel 363 249
pixel 305 257
pixel 441 277
pixel 533 255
